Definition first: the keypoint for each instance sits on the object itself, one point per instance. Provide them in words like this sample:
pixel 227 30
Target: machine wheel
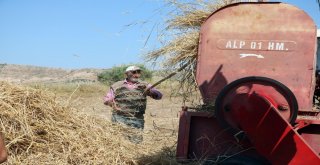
pixel 255 84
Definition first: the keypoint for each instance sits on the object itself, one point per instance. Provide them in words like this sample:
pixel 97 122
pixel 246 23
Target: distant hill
pixel 29 74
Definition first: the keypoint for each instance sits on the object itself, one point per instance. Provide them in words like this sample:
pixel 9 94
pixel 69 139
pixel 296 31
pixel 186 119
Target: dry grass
pixel 40 130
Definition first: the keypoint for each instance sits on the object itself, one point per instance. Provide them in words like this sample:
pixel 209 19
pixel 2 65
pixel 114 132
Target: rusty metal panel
pixel 274 40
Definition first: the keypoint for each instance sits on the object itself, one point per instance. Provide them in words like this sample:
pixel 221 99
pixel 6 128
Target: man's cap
pixel 132 68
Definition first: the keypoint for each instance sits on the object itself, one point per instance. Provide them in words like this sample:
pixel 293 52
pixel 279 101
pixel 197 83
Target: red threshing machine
pixel 257 65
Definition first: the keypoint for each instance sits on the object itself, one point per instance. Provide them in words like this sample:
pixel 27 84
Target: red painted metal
pixel 280 96
pixel 269 132
pixel 309 129
pixel 201 137
pixel 274 40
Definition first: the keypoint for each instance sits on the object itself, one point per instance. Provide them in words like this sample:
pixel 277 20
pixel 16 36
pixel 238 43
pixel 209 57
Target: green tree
pixel 116 73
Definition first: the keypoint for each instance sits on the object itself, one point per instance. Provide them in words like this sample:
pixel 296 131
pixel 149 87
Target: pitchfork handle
pixel 167 77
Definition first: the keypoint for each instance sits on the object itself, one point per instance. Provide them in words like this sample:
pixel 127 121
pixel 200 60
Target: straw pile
pixel 40 130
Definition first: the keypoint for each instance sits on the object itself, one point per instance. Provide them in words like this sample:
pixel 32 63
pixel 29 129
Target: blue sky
pixel 86 33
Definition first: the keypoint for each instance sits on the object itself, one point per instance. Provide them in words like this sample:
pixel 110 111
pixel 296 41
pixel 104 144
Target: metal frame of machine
pixel 257 72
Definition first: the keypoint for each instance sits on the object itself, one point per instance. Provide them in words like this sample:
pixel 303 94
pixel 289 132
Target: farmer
pixel 128 98
pixel 3 150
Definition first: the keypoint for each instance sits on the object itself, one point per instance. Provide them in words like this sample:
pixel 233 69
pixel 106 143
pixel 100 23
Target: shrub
pixel 116 73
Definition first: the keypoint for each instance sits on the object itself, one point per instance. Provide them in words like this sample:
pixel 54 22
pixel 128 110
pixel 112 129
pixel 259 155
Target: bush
pixel 116 73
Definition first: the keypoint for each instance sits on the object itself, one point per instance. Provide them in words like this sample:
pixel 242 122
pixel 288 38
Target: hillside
pixel 27 73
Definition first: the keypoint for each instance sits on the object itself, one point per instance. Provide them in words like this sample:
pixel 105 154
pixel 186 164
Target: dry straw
pixel 40 130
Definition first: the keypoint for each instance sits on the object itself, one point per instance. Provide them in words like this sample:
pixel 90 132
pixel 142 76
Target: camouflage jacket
pixel 130 101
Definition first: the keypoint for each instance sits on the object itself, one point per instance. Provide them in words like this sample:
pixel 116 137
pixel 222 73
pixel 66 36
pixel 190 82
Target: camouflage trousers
pixel 135 122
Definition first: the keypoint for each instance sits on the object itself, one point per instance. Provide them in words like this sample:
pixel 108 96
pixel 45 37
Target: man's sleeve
pixel 154 93
pixel 109 97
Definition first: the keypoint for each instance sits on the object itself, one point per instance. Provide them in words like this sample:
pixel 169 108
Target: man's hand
pixel 112 104
pixel 115 107
pixel 147 92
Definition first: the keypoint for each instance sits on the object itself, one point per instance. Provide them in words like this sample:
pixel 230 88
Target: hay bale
pixel 40 130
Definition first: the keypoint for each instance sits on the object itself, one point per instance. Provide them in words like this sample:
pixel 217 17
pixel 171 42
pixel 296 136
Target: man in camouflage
pixel 128 98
